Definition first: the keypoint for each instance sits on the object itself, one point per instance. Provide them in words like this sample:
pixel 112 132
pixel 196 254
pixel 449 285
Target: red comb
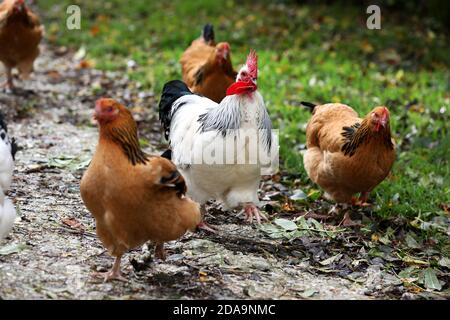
pixel 226 46
pixel 101 102
pixel 252 63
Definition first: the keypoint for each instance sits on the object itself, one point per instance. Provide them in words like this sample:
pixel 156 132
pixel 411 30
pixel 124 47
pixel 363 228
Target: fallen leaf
pixel 12 248
pixel 430 280
pixel 73 223
pixel 286 224
pixel 330 260
pixel 308 293
pixel 411 242
pixel 298 195
pixel 444 262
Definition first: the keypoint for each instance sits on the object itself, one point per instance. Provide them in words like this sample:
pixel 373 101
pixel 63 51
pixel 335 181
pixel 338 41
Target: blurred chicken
pixel 8 150
pixel 20 34
pixel 132 196
pixel 206 67
pixel 347 155
pixel 193 123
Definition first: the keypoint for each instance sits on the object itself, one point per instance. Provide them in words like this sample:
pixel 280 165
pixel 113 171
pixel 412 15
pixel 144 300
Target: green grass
pixel 308 52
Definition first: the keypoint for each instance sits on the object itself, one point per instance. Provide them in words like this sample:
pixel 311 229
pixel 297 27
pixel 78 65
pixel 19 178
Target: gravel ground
pixel 53 250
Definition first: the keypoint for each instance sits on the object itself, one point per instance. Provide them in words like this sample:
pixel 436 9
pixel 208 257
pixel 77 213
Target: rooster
pixel 192 123
pixel 20 35
pixel 8 149
pixel 132 196
pixel 206 66
pixel 347 155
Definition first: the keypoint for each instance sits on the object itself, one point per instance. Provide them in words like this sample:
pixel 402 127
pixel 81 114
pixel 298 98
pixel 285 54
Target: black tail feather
pixel 14 148
pixel 309 105
pixel 3 126
pixel 172 91
pixel 208 33
pixel 167 154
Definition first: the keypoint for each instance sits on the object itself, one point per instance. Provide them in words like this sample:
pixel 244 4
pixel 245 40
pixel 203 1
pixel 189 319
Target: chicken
pixel 193 124
pixel 20 34
pixel 8 149
pixel 206 67
pixel 132 196
pixel 347 155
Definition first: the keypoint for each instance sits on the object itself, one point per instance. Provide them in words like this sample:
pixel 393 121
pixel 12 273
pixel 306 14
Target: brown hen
pixel 20 34
pixel 132 196
pixel 347 155
pixel 206 66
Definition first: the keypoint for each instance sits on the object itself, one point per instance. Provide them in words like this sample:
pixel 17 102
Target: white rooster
pixel 8 149
pixel 193 123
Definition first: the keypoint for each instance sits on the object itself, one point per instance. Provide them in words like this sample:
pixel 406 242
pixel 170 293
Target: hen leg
pixel 362 200
pixel 160 253
pixel 347 220
pixel 9 84
pixel 114 273
pixel 251 211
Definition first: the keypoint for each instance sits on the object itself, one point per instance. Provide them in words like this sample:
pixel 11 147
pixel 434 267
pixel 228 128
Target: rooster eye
pixel 243 73
pixel 110 109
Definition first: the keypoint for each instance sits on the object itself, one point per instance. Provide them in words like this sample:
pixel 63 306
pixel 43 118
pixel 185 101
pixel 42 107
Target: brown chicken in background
pixel 347 155
pixel 133 197
pixel 206 66
pixel 20 34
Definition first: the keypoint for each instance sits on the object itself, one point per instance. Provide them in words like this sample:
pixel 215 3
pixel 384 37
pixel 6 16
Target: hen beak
pixel 225 54
pixel 385 118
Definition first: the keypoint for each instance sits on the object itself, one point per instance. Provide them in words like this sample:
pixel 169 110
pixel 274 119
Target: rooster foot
pixel 207 227
pixel 251 211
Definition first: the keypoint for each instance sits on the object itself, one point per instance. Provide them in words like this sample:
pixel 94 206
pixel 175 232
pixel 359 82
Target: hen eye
pixel 110 109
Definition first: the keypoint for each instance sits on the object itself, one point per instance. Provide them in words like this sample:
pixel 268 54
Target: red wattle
pixel 241 87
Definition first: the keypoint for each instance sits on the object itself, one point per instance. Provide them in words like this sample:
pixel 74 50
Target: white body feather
pixel 7 210
pixel 232 184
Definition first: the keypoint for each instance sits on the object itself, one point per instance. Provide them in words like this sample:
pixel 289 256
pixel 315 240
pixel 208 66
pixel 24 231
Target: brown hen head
pixel 375 126
pixel 378 119
pixel 222 53
pixel 117 125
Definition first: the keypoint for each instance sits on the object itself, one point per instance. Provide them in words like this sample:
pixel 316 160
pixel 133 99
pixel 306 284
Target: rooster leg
pixel 207 227
pixel 203 225
pixel 251 211
pixel 160 253
pixel 114 273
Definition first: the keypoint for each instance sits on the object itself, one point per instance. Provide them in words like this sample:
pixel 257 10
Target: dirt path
pixel 54 243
